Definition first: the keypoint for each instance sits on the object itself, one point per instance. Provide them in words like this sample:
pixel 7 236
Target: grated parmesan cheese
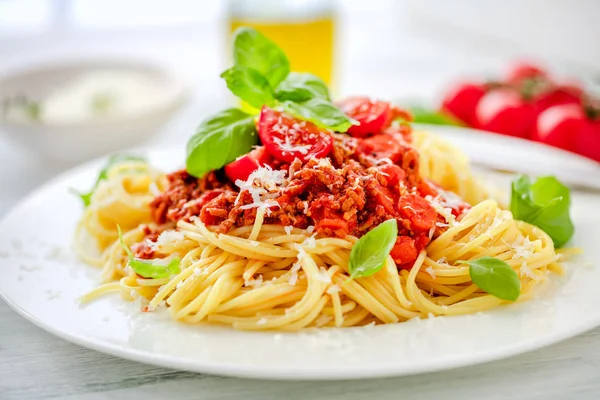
pixel 262 321
pixel 294 273
pixel 526 271
pixel 168 236
pixel 288 147
pixel 288 229
pixel 431 272
pixel 441 207
pixel 333 289
pixel 254 282
pixel 264 184
pixel 323 276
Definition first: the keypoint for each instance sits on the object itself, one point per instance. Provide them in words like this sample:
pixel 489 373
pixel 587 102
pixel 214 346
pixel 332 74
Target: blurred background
pixel 167 55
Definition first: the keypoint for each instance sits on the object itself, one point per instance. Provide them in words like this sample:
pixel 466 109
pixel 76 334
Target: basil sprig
pixel 320 112
pixel 544 203
pixel 251 49
pixel 369 254
pixel 149 268
pixel 114 159
pixel 260 76
pixel 219 140
pixel 301 87
pixel 495 277
pixel 248 84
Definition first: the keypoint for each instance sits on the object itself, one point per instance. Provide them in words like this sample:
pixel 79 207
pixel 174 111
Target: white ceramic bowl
pixel 79 140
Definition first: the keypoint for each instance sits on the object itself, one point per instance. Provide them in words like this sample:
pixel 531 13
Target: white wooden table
pixel 35 364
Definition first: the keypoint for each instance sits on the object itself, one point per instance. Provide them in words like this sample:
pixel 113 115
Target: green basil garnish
pixel 369 254
pixel 112 160
pixel 149 268
pixel 320 112
pixel 219 140
pixel 249 85
pixel 300 87
pixel 495 277
pixel 252 49
pixel 544 203
pixel 423 115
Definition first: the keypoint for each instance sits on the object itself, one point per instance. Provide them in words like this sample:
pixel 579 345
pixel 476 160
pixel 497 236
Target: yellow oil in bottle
pixel 308 44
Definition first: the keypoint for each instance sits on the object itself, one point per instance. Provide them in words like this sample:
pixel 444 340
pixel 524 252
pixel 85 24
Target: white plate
pixel 42 279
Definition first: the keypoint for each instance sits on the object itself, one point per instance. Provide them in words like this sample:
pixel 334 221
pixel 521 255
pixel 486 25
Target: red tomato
pixel 560 125
pixel 504 111
pixel 394 174
pixel 371 115
pixel 287 138
pixel 522 71
pixel 462 99
pixel 588 141
pixel 418 211
pixel 557 96
pixel 381 146
pixel 404 251
pixel 427 188
pixel 243 166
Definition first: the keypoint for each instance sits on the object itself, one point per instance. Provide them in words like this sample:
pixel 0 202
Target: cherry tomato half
pixel 461 100
pixel 287 138
pixel 381 146
pixel 504 111
pixel 243 166
pixel 371 115
pixel 393 174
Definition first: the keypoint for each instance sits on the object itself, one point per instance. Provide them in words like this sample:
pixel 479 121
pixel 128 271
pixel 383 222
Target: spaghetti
pixel 254 272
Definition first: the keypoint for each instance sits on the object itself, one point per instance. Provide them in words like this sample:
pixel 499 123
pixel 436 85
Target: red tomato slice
pixel 418 211
pixel 381 146
pixel 462 99
pixel 522 71
pixel 287 138
pixel 504 111
pixel 404 251
pixel 243 166
pixel 371 115
pixel 393 174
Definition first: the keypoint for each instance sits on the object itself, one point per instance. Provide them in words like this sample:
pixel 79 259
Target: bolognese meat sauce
pixel 340 184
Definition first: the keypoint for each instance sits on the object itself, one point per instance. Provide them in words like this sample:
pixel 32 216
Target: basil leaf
pixel 544 203
pixel 369 254
pixel 495 277
pixel 249 85
pixel 300 87
pixel 251 49
pixel 425 116
pixel 153 269
pixel 114 159
pixel 321 112
pixel 219 140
